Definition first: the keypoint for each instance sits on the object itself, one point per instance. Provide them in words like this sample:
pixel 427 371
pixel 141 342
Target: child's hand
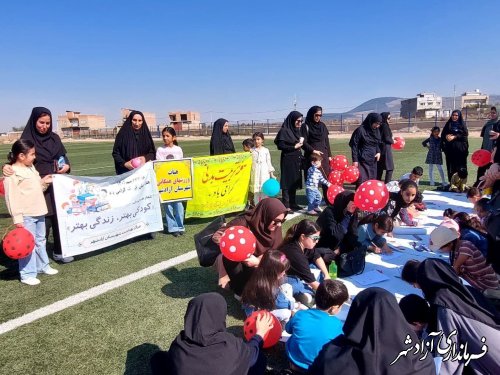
pixel 63 170
pixel 263 324
pixel 48 179
pixel 376 249
pixel 386 249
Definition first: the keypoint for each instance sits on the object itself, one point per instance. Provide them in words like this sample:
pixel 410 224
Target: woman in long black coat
pixel 365 147
pixel 455 144
pixel 316 140
pixel 386 162
pixel 289 142
pixel 133 141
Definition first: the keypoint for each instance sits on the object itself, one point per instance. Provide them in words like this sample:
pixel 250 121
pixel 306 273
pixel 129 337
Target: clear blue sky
pixel 239 59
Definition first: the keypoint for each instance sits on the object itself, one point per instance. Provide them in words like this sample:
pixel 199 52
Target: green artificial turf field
pixel 116 333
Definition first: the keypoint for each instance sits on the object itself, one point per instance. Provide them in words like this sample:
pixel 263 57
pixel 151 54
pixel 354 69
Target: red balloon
pixel 351 174
pixel 371 195
pixel 2 187
pixel 335 178
pixel 271 338
pixel 237 243
pixel 18 243
pixel 481 157
pixel 332 192
pixel 399 143
pixel 339 163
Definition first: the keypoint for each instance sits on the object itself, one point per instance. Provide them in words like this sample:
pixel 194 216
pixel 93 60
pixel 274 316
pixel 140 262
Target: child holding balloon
pixel 174 211
pixel 262 168
pixel 26 204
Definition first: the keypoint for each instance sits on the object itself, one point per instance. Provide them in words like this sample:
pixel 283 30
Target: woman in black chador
pixel 365 147
pixel 289 142
pixel 133 141
pixel 455 144
pixel 221 142
pixel 316 141
pixel 386 162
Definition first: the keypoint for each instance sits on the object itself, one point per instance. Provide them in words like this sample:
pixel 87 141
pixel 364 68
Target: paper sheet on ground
pixel 370 277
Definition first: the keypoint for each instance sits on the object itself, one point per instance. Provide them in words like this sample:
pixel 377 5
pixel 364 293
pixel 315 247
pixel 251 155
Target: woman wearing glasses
pixel 298 246
pixel 316 140
pixel 289 141
pixel 265 223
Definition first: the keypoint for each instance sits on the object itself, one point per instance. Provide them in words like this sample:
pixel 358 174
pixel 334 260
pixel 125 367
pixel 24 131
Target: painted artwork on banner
pixel 96 212
pixel 220 184
pixel 174 179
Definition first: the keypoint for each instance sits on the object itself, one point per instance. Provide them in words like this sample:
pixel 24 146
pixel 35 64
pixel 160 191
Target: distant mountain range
pixel 390 104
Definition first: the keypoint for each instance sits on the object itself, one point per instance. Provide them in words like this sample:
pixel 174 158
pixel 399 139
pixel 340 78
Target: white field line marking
pixel 92 293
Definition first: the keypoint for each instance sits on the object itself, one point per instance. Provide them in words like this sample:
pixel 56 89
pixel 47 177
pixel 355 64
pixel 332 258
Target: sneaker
pixel 50 271
pixel 296 207
pixel 30 281
pixel 60 258
pixel 175 234
pixel 312 213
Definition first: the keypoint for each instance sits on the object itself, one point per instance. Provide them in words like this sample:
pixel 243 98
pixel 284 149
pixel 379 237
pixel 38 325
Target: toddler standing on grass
pixel 314 178
pixel 434 155
pixel 26 204
pixel 174 211
pixel 262 168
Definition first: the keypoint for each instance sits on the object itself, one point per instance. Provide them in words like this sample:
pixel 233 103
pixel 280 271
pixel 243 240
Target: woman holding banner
pixel 50 158
pixel 133 141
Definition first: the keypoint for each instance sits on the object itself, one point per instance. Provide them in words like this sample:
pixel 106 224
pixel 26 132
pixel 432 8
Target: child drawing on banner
pixel 174 211
pixel 434 155
pixel 458 182
pixel 400 202
pixel 414 175
pixel 262 168
pixel 266 289
pixel 312 329
pixel 26 204
pixel 371 232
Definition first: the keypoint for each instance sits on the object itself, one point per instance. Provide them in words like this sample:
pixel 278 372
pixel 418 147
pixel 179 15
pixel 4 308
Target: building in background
pixel 187 120
pixel 474 99
pixel 424 105
pixel 73 122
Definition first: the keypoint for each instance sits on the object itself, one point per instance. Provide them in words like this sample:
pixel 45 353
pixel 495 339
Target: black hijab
pixel 442 287
pixel 340 204
pixel 385 116
pixel 374 334
pixel 48 146
pixel 316 131
pixel 204 346
pixel 367 123
pixel 130 144
pixel 220 142
pixel 288 132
